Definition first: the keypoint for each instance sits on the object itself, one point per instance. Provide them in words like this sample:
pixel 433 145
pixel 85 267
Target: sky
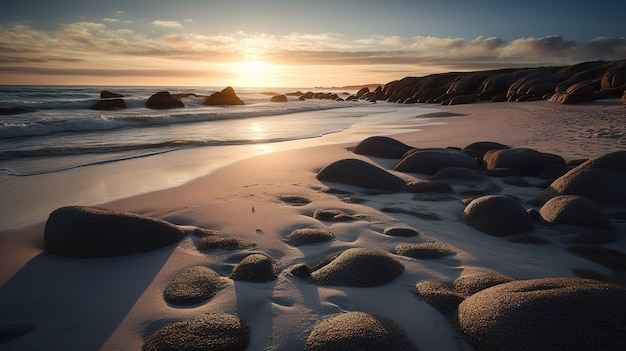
pixel 291 43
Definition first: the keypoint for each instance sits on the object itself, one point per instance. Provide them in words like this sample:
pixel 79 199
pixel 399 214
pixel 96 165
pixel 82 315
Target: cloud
pixel 167 24
pixel 111 20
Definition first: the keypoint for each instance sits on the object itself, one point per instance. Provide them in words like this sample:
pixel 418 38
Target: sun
pixel 253 73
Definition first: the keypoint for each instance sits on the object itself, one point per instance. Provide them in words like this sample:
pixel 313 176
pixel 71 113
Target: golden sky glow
pixel 329 44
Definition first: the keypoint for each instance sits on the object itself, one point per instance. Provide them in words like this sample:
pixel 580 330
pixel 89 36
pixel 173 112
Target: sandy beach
pixel 116 303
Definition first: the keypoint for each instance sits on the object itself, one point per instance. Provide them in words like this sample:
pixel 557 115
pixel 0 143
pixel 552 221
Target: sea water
pixel 59 130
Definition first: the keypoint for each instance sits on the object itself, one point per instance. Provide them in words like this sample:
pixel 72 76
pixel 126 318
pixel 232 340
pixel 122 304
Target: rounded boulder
pixel 381 146
pixel 362 174
pixel 526 161
pixel 429 161
pixel 574 210
pixel 497 215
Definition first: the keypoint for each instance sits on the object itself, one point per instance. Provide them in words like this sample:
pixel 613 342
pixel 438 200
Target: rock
pixel 307 236
pixel 624 98
pixel 481 147
pixel 381 146
pixel 439 295
pixel 516 181
pixel 192 286
pixel 574 210
pixel 545 314
pixel 362 92
pixel 358 267
pixel 333 215
pixel 575 94
pixel 473 283
pixel 224 97
pixel 554 171
pixel 279 98
pixel 358 331
pixel 497 215
pixel 12 331
pixel 255 268
pixel 614 79
pixel 163 100
pixel 427 250
pixel 428 186
pixel 463 99
pixel 459 175
pixel 601 179
pixel 210 331
pixel 110 104
pixel 109 95
pixel 90 232
pixel 5 111
pixel 362 174
pixel 525 161
pixel 402 231
pixel 429 161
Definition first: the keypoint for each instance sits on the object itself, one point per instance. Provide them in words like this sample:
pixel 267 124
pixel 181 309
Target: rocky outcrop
pixel 575 94
pixel 90 232
pixel 163 100
pixel 224 97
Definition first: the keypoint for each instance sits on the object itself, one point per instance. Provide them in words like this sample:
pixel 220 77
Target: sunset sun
pixel 253 73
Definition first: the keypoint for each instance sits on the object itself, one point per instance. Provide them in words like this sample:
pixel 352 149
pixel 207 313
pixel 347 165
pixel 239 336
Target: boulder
pixel 472 283
pixel 545 314
pixel 224 97
pixel 255 268
pixel 481 147
pixel 192 286
pixel 307 236
pixel 525 161
pixel 497 215
pixel 359 267
pixel 109 104
pixel 577 93
pixel 439 295
pixel 210 331
pixel 5 111
pixel 90 232
pixel 358 331
pixel 362 174
pixel 624 98
pixel 362 92
pixel 110 95
pixel 574 210
pixel 601 179
pixel 463 99
pixel 163 100
pixel 279 98
pixel 429 161
pixel 381 146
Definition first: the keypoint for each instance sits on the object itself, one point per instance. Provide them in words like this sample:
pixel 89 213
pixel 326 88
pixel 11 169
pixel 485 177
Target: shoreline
pixel 111 308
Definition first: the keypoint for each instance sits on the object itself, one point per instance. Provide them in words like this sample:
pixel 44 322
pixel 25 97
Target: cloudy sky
pixel 291 43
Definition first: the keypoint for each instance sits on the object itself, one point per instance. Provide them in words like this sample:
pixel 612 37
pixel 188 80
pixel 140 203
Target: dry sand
pixel 112 303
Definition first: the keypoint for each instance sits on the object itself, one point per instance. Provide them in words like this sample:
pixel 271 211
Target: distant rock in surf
pixel 279 98
pixel 105 94
pixel 163 100
pixel 109 104
pixel 224 97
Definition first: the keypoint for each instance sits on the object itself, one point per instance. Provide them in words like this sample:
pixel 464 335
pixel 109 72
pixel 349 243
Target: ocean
pixel 60 131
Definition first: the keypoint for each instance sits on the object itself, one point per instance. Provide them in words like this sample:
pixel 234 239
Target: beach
pixel 115 303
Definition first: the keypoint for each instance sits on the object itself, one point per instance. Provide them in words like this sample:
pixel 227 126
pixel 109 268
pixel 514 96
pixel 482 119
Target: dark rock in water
pixel 279 98
pixel 110 95
pixel 439 295
pixel 255 268
pixel 163 100
pixel 481 147
pixel 574 210
pixel 358 331
pixel 89 232
pixel 307 236
pixel 362 92
pixel 473 283
pixel 362 174
pixel 381 146
pixel 224 97
pixel 429 161
pixel 109 104
pixel 359 267
pixel 210 331
pixel 192 286
pixel 525 161
pixel 545 314
pixel 5 111
pixel 601 179
pixel 12 331
pixel 497 215
pixel 575 94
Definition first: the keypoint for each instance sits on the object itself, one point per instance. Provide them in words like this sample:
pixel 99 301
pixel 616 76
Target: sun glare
pixel 254 73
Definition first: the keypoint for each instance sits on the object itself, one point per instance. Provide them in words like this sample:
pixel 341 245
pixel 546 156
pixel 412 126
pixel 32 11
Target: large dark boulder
pixel 193 285
pixel 601 179
pixel 429 161
pixel 497 215
pixel 358 331
pixel 109 104
pixel 575 94
pixel 89 232
pixel 163 100
pixel 574 210
pixel 224 97
pixel 545 314
pixel 255 268
pixel 362 174
pixel 110 95
pixel 479 148
pixel 381 146
pixel 525 161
